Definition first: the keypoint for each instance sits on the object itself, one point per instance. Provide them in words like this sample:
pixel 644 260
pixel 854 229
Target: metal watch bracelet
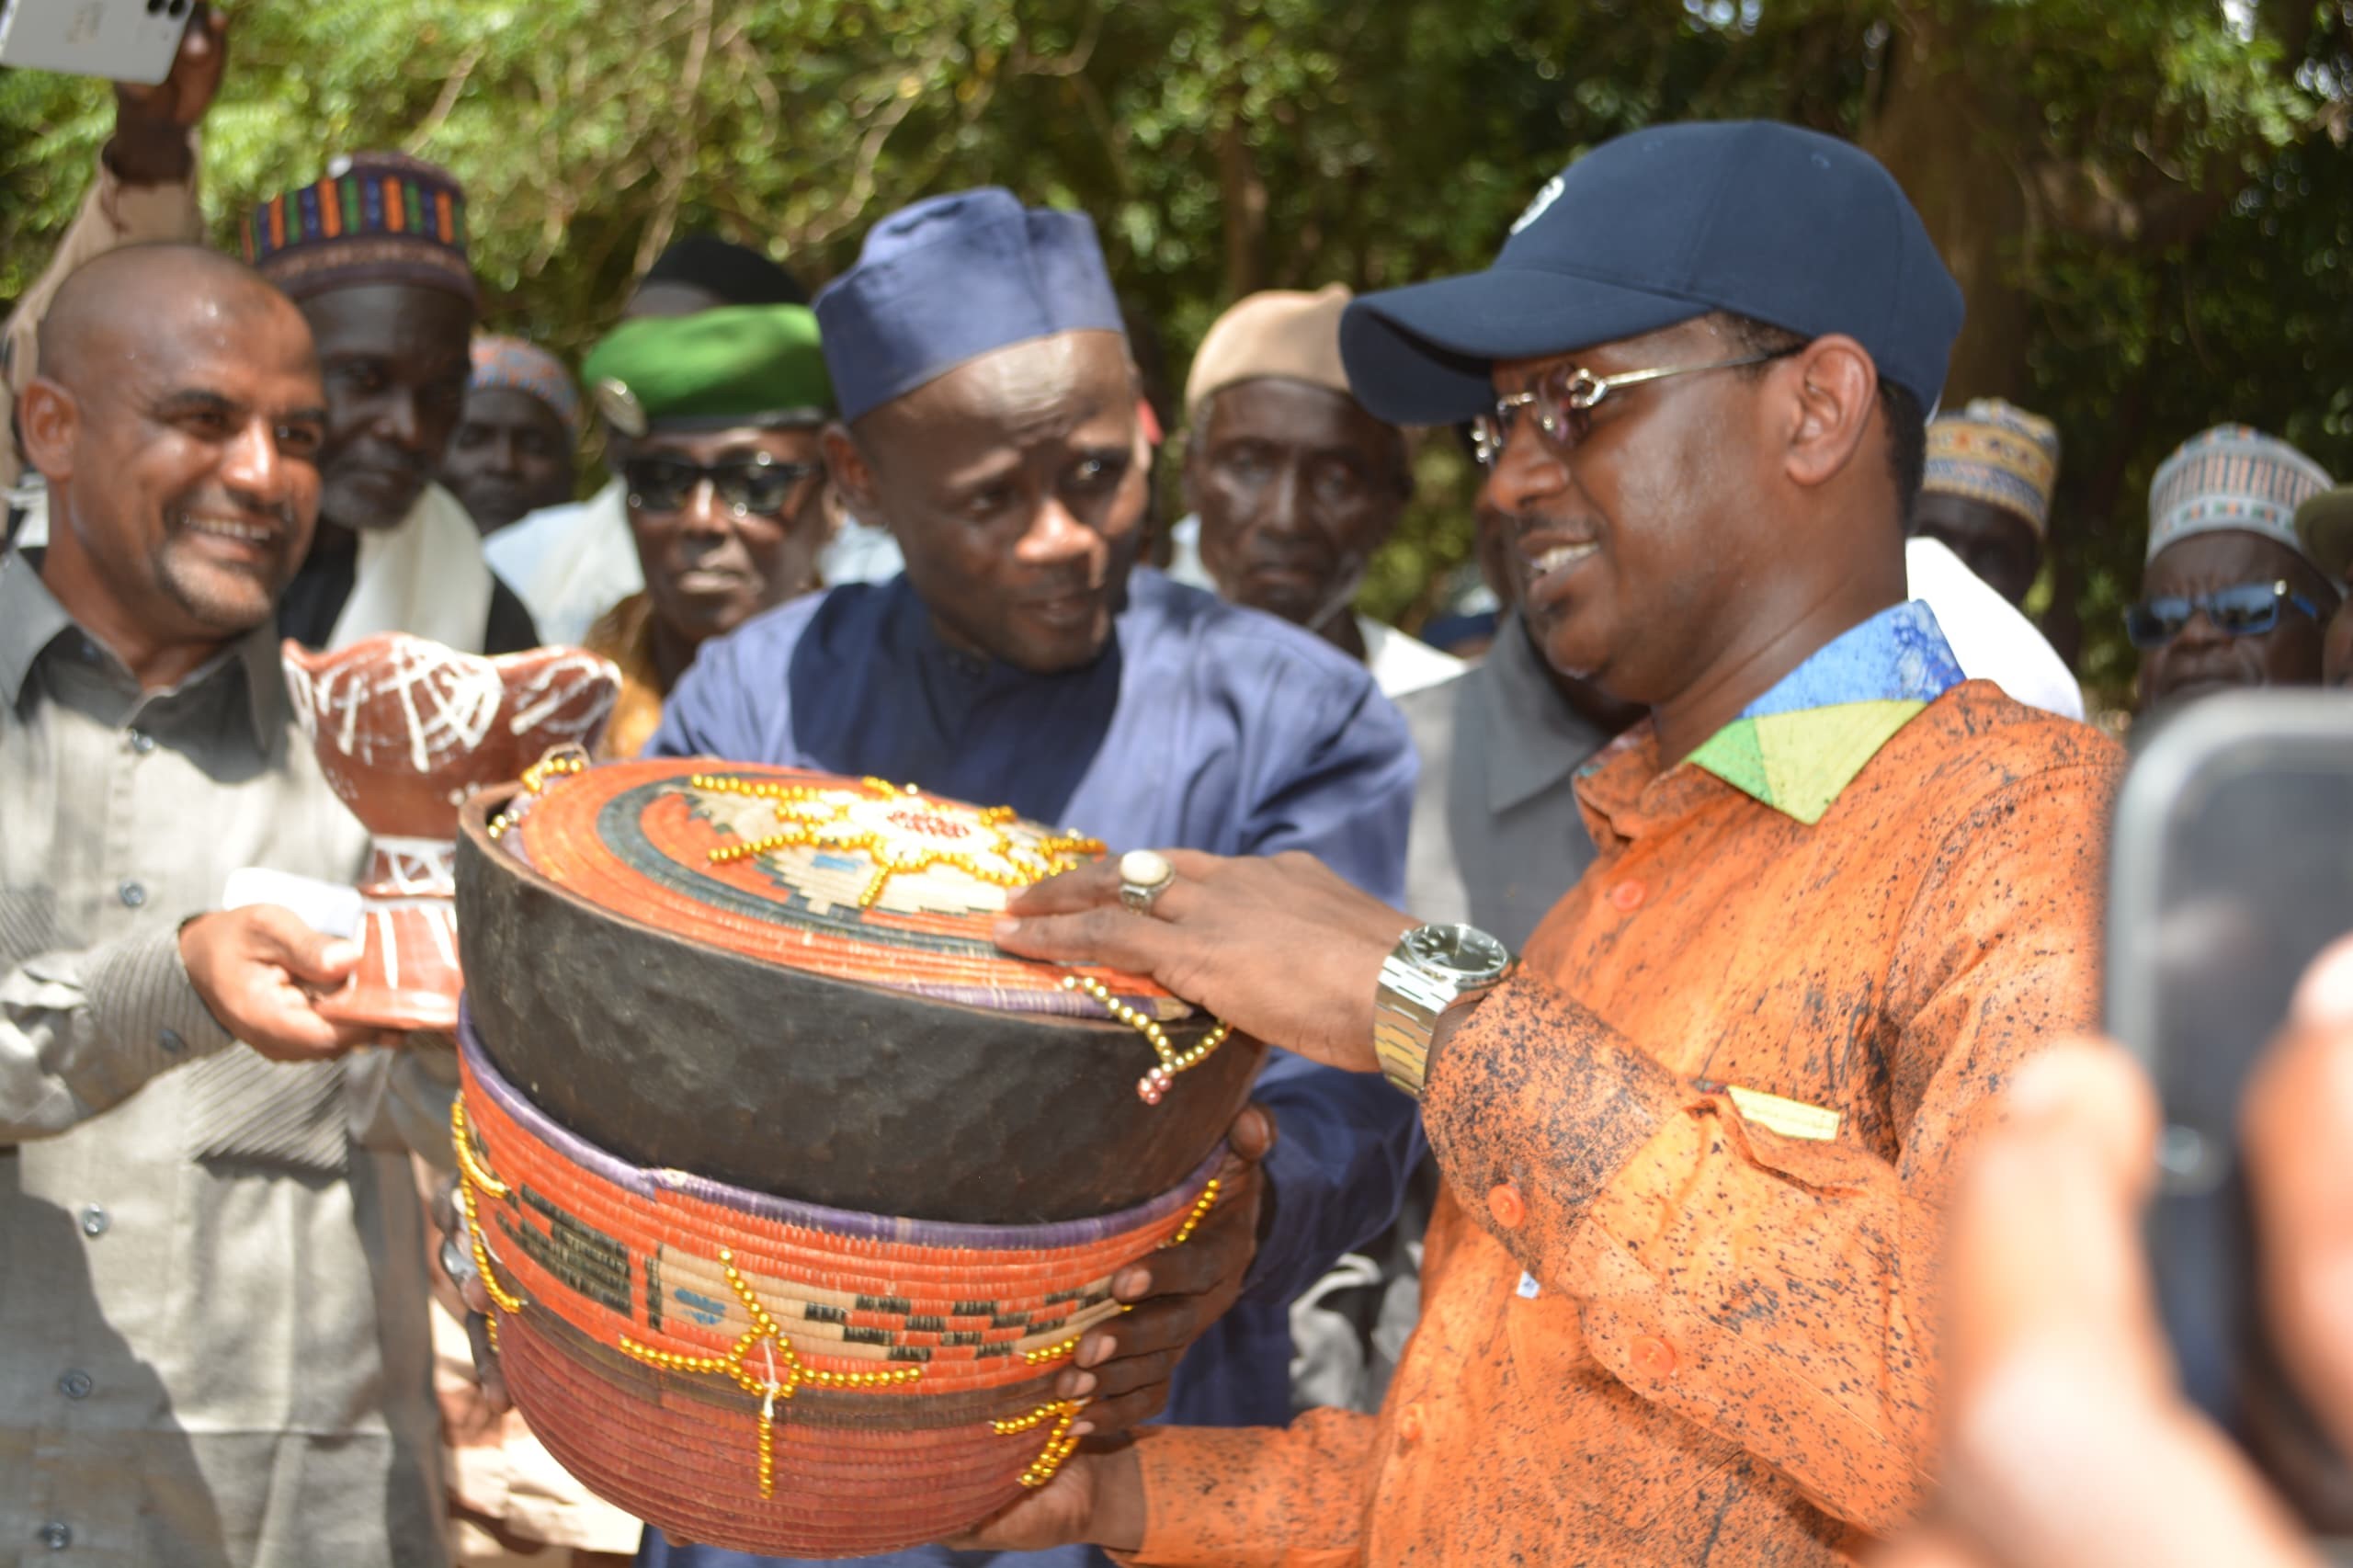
pixel 1404 1016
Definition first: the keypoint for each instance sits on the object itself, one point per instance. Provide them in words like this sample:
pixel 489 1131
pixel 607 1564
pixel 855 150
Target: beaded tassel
pixel 1153 1085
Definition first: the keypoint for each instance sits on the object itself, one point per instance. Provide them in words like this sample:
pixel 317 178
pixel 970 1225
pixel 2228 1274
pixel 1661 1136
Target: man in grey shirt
pixel 213 1340
pixel 1497 840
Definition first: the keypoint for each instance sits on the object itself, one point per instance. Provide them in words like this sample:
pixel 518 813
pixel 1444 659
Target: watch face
pixel 1463 950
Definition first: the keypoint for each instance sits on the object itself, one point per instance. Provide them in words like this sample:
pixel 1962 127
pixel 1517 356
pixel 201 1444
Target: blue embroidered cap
pixel 953 278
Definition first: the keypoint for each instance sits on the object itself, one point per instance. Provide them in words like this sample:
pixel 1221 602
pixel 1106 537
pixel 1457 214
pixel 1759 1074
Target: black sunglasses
pixel 747 485
pixel 2243 609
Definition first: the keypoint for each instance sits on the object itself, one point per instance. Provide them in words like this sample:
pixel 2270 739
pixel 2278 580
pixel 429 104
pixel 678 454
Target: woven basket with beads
pixel 771 1376
pixel 794 1192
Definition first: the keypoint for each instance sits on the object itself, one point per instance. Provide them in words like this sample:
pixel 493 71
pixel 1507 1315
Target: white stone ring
pixel 1144 877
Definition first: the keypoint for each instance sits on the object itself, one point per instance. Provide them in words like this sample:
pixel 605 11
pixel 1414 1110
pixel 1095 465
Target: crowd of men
pixel 1635 1254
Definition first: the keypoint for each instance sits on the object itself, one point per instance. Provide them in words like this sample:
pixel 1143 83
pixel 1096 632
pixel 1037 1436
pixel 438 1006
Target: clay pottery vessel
pixel 405 729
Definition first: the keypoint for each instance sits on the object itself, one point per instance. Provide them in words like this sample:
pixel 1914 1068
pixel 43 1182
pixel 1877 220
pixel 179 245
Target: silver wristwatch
pixel 1430 982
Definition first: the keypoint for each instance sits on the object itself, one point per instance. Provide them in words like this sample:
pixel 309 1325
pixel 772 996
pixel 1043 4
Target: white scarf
pixel 425 577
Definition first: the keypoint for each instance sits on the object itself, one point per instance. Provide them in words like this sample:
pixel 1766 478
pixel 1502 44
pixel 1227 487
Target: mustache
pixel 224 504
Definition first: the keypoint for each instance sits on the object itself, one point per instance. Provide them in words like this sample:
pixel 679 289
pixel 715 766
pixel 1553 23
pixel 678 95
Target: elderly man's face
pixel 1015 486
pixel 512 454
pixel 396 361
pixel 1993 541
pixel 720 546
pixel 190 480
pixel 2204 659
pixel 1296 486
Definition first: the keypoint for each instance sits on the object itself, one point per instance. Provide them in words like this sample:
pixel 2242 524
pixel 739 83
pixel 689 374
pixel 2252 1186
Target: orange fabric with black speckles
pixel 1732 1356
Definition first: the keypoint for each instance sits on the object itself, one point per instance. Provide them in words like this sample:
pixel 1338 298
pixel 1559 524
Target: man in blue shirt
pixel 991 409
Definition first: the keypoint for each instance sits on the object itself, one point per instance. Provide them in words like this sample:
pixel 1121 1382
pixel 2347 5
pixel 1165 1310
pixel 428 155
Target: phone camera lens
pixel 156 8
pixel 178 8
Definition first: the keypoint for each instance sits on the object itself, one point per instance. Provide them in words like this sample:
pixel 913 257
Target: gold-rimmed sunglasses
pixel 1564 400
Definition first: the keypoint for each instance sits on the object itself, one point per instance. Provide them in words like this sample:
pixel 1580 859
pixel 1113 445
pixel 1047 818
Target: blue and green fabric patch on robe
pixel 1799 746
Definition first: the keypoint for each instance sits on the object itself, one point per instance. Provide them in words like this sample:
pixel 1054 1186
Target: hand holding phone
pixel 151 144
pixel 2068 1439
pixel 127 40
pixel 188 88
pixel 2232 868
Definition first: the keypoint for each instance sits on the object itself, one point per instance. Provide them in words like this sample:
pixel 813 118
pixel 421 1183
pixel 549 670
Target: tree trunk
pixel 1943 135
pixel 1244 193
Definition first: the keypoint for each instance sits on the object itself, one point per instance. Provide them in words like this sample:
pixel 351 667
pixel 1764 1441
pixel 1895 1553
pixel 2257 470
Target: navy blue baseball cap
pixel 1789 227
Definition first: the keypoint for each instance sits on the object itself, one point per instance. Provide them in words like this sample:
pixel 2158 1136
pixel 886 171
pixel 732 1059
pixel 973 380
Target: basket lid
pixel 856 878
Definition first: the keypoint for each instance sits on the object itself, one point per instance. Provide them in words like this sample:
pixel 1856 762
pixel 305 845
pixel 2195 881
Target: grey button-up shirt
pixel 1497 838
pixel 213 1293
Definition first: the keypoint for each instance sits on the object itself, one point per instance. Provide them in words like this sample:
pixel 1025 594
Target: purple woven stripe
pixel 812 1216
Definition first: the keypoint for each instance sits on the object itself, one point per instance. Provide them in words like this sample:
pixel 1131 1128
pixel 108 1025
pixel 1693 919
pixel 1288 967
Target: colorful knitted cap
pixel 373 218
pixel 2232 477
pixel 1994 452
pixel 522 367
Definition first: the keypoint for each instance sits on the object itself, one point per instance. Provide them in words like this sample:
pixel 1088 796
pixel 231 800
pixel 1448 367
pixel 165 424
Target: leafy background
pixel 2150 204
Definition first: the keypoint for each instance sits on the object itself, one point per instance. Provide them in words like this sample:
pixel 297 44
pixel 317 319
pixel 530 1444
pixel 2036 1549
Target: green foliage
pixel 1252 144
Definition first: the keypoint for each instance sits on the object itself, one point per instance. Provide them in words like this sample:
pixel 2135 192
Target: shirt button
pixel 1627 896
pixel 1653 1357
pixel 132 893
pixel 1409 1425
pixel 140 741
pixel 95 1220
pixel 56 1536
pixel 74 1385
pixel 1504 1203
pixel 171 1042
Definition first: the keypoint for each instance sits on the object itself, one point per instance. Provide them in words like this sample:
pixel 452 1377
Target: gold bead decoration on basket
pixel 561 763
pixel 1060 1444
pixel 1153 1085
pixel 1051 1352
pixel 1201 1206
pixel 474 1177
pixel 818 816
pixel 767 1336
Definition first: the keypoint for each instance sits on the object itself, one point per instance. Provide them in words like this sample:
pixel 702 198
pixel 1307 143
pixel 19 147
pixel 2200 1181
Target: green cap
pixel 735 365
pixel 2325 523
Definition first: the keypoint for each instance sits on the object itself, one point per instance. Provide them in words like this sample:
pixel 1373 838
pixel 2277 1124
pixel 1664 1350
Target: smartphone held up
pixel 2232 871
pixel 123 40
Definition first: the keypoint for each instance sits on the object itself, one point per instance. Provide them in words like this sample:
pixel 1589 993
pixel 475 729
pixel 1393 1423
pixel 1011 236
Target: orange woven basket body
pixel 771 1376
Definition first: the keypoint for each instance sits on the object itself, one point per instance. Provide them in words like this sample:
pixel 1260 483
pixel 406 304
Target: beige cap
pixel 1282 331
pixel 2324 522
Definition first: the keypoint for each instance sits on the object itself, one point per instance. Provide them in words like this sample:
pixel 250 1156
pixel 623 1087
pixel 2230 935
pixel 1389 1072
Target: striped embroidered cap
pixel 1995 452
pixel 372 218
pixel 518 366
pixel 2232 477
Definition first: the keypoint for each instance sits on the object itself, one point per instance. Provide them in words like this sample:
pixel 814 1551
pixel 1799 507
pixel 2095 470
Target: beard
pixel 228 595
